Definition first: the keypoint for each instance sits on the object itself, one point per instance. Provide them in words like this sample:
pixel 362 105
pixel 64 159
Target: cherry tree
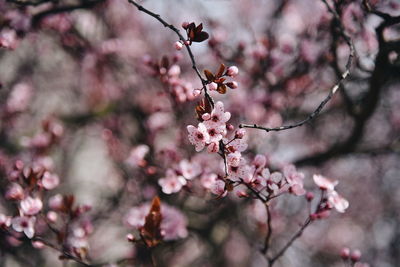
pixel 204 133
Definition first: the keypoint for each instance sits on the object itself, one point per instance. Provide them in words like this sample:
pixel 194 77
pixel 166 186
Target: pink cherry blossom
pixel 189 169
pixel 232 71
pixel 198 136
pixel 50 181
pixel 233 159
pixel 215 131
pixel 24 224
pixel 218 115
pixel 31 206
pixel 338 202
pixel 15 192
pixel 171 183
pixel 237 172
pixel 56 202
pixel 208 179
pixel 218 188
pixel 237 145
pixel 137 155
pixel 295 180
pixel 5 221
pixel 324 183
pixel 213 147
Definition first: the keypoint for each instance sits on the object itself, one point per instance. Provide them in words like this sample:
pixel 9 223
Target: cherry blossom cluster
pixel 169 74
pixel 26 187
pixel 352 257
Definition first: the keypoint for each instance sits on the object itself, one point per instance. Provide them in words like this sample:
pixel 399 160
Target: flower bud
pixel 196 92
pixel 232 71
pixel 130 238
pixel 178 45
pixel 52 216
pixel 345 253
pixel 240 133
pixel 355 255
pixel 185 24
pixel 212 86
pixel 309 196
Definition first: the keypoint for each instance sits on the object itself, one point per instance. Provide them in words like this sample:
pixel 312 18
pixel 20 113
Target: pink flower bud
pixel 345 253
pixel 229 127
pixel 130 237
pixel 232 71
pixel 56 202
pixel 52 216
pixel 196 92
pixel 309 196
pixel 185 24
pixel 314 216
pixel 355 255
pixel 19 165
pixel 240 133
pixel 178 45
pixel 213 148
pixel 37 244
pixel 212 86
pixel 206 116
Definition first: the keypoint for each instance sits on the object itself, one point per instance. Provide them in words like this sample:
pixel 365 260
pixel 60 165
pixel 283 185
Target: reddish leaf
pixel 220 70
pixel 221 89
pixel 209 75
pixel 200 37
pixel 151 231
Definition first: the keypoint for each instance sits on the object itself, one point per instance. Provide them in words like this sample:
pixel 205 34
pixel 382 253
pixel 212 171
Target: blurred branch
pixel 333 90
pixel 30 3
pixel 82 5
pixel 290 242
pixel 174 29
pixel 379 78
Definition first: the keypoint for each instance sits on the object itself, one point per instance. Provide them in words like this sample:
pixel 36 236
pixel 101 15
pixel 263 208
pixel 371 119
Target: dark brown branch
pixel 332 91
pixel 29 3
pixel 84 4
pixel 182 38
pixel 290 242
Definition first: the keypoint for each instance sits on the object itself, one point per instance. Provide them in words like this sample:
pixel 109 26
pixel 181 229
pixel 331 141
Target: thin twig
pixel 182 38
pixel 269 228
pixel 289 243
pixel 333 90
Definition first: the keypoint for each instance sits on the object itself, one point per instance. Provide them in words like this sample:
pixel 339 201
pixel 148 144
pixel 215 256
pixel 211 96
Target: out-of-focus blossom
pixel 31 206
pixel 5 221
pixel 189 169
pixel 19 98
pixel 218 188
pixel 15 192
pixel 171 183
pixel 50 180
pixel 324 183
pixel 338 202
pixel 24 224
pixel 137 155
